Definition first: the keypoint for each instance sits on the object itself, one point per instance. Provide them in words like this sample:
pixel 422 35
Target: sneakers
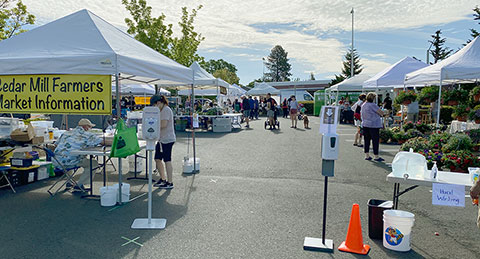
pixel 159 182
pixel 166 185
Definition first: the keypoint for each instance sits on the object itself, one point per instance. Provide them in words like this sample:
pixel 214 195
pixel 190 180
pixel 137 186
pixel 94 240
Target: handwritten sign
pixel 448 195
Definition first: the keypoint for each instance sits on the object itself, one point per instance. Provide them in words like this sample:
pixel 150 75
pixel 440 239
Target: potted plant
pixel 417 144
pixel 432 156
pixel 405 97
pixel 423 127
pixel 385 135
pixel 461 112
pixel 453 96
pixel 438 140
pixel 474 135
pixel 459 161
pixel 474 114
pixel 475 94
pixel 413 133
pixel 408 126
pixel 458 141
pixel 401 137
pixel 428 94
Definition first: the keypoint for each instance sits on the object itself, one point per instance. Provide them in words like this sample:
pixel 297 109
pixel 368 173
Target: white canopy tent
pixel 353 84
pixel 138 90
pixel 262 88
pixel 461 67
pixel 235 91
pixel 83 43
pixel 394 75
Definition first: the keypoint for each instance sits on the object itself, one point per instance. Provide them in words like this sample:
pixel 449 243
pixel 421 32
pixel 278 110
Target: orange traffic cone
pixel 354 242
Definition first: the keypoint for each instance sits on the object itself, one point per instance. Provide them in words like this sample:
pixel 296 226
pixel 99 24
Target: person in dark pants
pixel 285 108
pixel 371 123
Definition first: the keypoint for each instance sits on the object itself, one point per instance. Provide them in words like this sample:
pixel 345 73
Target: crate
pixel 21 162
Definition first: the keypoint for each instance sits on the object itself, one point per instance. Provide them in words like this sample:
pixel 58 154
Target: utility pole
pixel 263 69
pixel 351 54
pixel 428 53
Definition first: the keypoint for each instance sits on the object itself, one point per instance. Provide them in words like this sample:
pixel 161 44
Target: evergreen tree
pixel 357 67
pixel 439 52
pixel 336 80
pixel 13 19
pixel 476 16
pixel 277 64
pixel 312 76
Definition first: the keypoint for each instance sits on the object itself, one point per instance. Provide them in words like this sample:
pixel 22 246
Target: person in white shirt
pixel 293 111
pixel 163 149
pixel 357 107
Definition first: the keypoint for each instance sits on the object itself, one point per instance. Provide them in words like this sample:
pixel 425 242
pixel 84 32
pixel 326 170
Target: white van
pixel 301 95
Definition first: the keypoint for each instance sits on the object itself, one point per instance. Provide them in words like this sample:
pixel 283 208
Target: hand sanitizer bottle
pixel 433 173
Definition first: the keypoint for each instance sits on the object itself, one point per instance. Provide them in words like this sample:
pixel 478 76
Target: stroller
pixel 276 123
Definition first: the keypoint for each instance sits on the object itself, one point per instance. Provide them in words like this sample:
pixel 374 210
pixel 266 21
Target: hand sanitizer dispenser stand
pixel 151 133
pixel 328 125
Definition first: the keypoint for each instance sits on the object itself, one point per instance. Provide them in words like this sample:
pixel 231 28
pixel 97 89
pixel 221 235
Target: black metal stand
pixel 397 193
pixel 91 195
pixel 316 244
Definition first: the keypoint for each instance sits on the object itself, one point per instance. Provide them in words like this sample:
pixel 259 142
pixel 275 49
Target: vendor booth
pixel 461 67
pixel 351 87
pixel 262 88
pixel 66 67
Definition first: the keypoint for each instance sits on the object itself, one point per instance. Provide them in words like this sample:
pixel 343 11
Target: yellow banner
pixel 142 100
pixel 64 94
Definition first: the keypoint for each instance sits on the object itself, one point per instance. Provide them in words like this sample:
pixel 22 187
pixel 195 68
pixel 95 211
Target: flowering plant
pixel 423 127
pixel 474 135
pixel 474 114
pixel 405 96
pixel 438 140
pixel 385 135
pixel 413 133
pixel 458 142
pixel 408 125
pixel 461 110
pixel 460 159
pixel 417 144
pixel 400 136
pixel 428 94
pixel 432 156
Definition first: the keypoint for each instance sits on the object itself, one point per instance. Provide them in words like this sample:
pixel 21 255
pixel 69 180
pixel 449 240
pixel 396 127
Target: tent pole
pixel 439 99
pixel 119 114
pixel 193 128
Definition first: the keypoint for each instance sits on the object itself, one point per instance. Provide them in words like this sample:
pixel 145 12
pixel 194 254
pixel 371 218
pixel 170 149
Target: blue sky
pixel 316 33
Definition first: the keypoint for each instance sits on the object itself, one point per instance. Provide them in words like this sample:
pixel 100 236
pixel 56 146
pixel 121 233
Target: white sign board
pixel 195 120
pixel 328 119
pixel 448 195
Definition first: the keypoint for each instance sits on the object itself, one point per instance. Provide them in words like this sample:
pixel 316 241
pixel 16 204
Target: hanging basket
pixel 476 97
pixel 407 102
pixel 477 121
pixel 452 103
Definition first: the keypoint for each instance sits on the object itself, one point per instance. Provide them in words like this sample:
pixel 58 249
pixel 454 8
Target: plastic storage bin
pixel 375 217
pixel 108 196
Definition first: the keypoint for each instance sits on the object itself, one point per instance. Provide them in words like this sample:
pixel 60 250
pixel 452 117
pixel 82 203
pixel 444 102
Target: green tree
pixel 13 19
pixel 213 65
pixel 277 64
pixel 347 64
pixel 227 75
pixel 439 52
pixel 155 33
pixel 252 84
pixel 336 80
pixel 312 76
pixel 476 16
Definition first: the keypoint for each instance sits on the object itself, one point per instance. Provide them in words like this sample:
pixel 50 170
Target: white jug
pixel 409 165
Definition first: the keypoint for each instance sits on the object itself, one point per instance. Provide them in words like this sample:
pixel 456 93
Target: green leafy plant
pixel 417 144
pixel 457 95
pixel 423 127
pixel 432 156
pixel 400 137
pixel 475 94
pixel 458 141
pixel 408 126
pixel 474 135
pixel 386 135
pixel 428 94
pixel 460 111
pixel 413 133
pixel 446 114
pixel 438 140
pixel 474 114
pixel 460 160
pixel 404 96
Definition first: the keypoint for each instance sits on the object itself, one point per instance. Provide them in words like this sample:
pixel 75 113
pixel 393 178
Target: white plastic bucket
pixel 125 192
pixel 108 196
pixel 397 225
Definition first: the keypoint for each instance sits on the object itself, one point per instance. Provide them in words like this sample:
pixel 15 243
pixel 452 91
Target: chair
pixel 426 118
pixel 66 176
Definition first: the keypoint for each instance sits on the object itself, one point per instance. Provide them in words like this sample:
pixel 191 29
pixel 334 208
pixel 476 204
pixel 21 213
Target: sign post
pixel 151 132
pixel 328 126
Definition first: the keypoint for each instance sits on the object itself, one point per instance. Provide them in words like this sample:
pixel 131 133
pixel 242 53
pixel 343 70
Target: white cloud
pixel 228 24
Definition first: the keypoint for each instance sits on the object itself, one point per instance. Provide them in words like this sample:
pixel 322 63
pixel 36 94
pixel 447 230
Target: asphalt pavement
pixel 259 193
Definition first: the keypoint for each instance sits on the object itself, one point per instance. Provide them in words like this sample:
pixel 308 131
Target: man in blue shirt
pixel 256 106
pixel 251 103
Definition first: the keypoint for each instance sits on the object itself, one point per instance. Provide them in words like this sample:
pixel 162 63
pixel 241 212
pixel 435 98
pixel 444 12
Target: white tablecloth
pixel 461 126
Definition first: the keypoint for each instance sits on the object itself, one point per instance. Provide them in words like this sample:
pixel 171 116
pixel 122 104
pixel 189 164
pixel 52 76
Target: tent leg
pixel 119 115
pixel 439 100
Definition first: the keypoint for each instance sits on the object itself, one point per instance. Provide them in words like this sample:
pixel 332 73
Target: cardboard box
pixel 38 140
pixel 23 136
